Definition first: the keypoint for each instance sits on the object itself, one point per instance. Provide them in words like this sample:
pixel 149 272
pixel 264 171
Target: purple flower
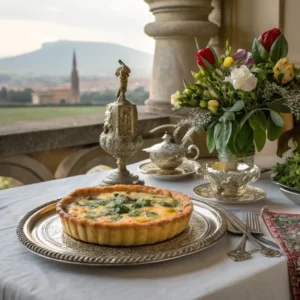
pixel 249 61
pixel 239 54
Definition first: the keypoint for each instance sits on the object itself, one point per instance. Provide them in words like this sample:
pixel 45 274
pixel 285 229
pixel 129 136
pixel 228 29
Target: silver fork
pixel 254 222
pixel 240 253
pixel 265 251
pixel 255 229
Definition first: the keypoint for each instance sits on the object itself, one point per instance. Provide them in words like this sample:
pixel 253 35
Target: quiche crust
pixel 124 233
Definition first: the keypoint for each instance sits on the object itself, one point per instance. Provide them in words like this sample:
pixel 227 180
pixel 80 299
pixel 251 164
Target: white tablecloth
pixel 208 275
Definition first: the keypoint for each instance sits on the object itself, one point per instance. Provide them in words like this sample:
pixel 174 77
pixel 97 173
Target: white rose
pixel 175 99
pixel 242 79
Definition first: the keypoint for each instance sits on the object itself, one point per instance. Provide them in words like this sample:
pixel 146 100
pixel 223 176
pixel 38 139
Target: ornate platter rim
pixel 220 223
pixel 229 200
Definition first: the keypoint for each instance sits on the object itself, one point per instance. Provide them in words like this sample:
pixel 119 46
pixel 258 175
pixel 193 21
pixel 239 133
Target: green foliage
pixel 14 114
pixel 279 107
pixel 288 173
pixel 5 183
pixel 137 96
pixel 210 141
pixel 228 48
pixel 261 120
pixel 278 121
pixel 279 49
pixel 259 53
pixel 16 96
pixel 237 106
pixel 222 134
pixel 3 94
pixel 273 130
pixel 259 138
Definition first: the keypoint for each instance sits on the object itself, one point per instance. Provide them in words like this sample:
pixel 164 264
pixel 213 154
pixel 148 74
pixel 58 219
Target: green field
pixel 10 115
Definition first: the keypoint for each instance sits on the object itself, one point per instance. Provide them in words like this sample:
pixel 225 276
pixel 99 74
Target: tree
pixel 3 94
pixel 137 96
pixel 19 96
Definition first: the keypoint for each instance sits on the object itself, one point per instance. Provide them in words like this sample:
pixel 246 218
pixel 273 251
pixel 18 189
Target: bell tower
pixel 75 93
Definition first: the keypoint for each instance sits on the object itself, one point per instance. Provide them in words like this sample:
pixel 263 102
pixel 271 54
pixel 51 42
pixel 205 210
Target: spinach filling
pixel 174 203
pixel 151 214
pixel 135 213
pixel 142 203
pixel 121 204
pixel 115 218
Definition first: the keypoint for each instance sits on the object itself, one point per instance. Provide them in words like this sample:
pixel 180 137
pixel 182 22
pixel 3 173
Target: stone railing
pixel 39 151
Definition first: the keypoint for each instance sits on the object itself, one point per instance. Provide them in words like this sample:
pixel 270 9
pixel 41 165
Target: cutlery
pixel 265 251
pixel 255 229
pixel 240 253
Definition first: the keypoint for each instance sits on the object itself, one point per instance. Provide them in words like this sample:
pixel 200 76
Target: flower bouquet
pixel 238 98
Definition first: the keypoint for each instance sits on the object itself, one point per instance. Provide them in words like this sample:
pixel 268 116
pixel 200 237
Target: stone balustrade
pixel 32 152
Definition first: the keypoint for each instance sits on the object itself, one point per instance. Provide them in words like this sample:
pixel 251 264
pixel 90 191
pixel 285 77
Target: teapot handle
pixel 194 147
pixel 200 170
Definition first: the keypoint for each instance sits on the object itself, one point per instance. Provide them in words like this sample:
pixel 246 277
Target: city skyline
pixel 26 26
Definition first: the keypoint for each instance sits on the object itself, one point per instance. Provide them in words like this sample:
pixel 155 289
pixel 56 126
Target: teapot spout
pixel 147 150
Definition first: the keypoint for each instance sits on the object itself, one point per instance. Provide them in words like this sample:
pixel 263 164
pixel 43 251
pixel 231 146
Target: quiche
pixel 124 215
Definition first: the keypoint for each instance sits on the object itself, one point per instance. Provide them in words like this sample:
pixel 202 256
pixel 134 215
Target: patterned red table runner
pixel 285 228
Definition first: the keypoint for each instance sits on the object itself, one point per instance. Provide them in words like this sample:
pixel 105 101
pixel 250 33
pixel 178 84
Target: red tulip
pixel 269 37
pixel 207 54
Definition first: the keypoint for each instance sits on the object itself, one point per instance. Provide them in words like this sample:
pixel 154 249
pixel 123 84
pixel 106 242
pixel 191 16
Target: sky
pixel 26 24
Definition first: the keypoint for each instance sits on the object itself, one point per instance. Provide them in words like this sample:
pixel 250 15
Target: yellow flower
pixel 283 71
pixel 228 61
pixel 213 105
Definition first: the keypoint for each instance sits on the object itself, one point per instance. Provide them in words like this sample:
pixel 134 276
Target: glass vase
pixel 238 157
pixel 247 158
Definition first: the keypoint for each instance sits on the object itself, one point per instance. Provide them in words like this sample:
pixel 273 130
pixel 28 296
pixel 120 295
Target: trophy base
pixel 125 178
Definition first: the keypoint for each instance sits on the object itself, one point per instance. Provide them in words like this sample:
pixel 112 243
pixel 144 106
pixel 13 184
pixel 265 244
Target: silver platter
pixel 187 168
pixel 40 231
pixel 252 194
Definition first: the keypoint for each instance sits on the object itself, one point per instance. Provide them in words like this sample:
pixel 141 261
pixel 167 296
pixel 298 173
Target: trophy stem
pixel 122 163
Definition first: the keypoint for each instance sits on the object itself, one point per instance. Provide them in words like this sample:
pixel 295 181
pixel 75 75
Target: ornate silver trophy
pixel 120 137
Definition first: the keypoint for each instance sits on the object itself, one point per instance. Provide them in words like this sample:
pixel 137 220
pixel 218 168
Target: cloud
pixel 25 25
pixel 53 9
pixel 112 13
pixel 35 32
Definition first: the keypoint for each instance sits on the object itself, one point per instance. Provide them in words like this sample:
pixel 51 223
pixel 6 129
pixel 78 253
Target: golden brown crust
pixel 90 191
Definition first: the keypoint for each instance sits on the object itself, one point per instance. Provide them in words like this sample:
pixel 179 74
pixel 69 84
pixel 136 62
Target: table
pixel 207 275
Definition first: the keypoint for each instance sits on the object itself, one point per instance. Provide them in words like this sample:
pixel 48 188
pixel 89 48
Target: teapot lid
pixel 166 146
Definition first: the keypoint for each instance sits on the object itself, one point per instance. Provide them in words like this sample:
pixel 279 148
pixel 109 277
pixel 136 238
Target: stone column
pixel 176 24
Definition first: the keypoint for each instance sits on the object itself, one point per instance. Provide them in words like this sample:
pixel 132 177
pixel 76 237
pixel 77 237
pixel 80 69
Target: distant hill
pixel 93 58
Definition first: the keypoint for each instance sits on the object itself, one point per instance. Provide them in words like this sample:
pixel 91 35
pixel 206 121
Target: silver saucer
pixel 187 168
pixel 40 231
pixel 252 194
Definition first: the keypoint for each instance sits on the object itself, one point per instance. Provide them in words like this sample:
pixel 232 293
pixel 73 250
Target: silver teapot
pixel 168 156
